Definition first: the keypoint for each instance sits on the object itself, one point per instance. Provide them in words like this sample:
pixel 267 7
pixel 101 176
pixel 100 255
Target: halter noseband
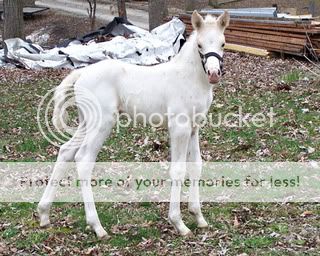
pixel 205 57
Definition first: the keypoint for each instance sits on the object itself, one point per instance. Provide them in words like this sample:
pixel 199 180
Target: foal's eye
pixel 223 45
pixel 200 46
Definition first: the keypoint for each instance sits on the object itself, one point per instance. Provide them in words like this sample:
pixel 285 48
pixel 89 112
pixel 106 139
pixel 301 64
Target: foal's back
pixel 137 89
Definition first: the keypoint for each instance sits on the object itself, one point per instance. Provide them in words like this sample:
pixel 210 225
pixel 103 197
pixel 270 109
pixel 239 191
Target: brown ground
pixel 59 25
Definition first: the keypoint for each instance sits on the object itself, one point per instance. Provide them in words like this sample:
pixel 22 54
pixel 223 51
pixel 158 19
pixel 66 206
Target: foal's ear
pixel 197 20
pixel 224 20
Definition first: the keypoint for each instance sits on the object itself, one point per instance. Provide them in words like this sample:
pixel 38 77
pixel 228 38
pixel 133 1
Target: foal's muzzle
pixel 214 77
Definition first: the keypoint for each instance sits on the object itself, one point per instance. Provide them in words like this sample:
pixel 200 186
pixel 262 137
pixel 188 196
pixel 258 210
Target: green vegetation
pixel 142 229
pixel 291 77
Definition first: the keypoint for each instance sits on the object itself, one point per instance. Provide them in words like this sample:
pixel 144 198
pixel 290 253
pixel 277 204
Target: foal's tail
pixel 60 116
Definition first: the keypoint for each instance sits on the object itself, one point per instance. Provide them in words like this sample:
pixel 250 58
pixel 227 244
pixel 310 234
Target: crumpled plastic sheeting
pixel 144 49
pixel 117 27
pixel 2 59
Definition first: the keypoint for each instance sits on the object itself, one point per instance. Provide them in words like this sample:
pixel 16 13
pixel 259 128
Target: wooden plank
pixel 268 37
pixel 279 47
pixel 268 24
pixel 273 21
pixel 290 29
pixel 315 44
pixel 271 26
pixel 267 32
pixel 189 29
pixel 273 35
pixel 246 49
pixel 279 50
pixel 263 42
pixel 280 29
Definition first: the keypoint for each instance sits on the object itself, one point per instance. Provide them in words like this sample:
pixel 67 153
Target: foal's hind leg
pixel 66 154
pixel 85 159
pixel 194 169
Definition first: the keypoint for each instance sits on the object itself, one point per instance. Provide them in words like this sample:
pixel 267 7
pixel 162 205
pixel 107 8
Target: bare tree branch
pixel 92 13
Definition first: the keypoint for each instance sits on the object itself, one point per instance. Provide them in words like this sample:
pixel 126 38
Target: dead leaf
pixel 283 87
pixel 236 222
pixel 311 150
pixel 307 214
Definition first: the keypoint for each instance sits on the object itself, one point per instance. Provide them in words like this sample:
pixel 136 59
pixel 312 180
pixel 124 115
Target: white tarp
pixel 144 48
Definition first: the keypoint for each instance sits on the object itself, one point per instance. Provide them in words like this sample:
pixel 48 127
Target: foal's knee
pixel 84 155
pixel 196 167
pixel 66 153
pixel 178 173
pixel 195 170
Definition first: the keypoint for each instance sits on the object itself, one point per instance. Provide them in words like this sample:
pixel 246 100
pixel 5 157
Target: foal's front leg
pixel 179 139
pixel 194 169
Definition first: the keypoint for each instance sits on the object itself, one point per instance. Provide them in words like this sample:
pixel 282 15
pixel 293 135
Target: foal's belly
pixel 145 111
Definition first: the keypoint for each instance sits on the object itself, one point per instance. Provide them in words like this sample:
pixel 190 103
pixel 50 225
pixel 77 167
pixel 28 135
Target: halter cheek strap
pixel 205 57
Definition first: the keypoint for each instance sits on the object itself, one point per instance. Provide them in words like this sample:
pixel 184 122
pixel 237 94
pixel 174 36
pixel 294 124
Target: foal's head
pixel 211 41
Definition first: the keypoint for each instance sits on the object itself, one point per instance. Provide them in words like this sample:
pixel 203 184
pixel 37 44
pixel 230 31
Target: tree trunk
pixel 122 8
pixel 92 13
pixel 158 10
pixel 29 2
pixel 312 7
pixel 13 19
pixel 191 5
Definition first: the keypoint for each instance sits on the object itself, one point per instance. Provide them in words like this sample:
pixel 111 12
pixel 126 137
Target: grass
pixel 291 77
pixel 142 229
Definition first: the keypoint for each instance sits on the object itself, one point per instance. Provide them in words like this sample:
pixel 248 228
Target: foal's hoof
pixel 102 234
pixel 43 213
pixel 188 234
pixel 45 224
pixel 44 221
pixel 203 224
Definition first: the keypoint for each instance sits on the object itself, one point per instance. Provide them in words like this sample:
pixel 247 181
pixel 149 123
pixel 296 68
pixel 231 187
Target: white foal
pixel 182 86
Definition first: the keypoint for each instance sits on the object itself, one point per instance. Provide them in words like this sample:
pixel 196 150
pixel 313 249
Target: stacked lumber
pixel 294 37
pixel 246 49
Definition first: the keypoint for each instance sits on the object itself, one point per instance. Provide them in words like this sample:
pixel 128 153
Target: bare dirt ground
pixel 59 25
pixel 137 13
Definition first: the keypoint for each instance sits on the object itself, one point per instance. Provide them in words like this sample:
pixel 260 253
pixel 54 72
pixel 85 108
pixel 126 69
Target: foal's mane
pixel 187 49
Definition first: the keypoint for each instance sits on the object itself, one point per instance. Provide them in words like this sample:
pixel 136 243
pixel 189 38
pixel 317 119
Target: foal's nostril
pixel 209 73
pixel 219 72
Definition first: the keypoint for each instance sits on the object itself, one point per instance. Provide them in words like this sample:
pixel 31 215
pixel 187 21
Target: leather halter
pixel 205 57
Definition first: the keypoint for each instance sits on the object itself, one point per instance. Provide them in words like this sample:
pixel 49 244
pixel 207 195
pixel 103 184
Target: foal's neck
pixel 190 57
pixel 189 52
